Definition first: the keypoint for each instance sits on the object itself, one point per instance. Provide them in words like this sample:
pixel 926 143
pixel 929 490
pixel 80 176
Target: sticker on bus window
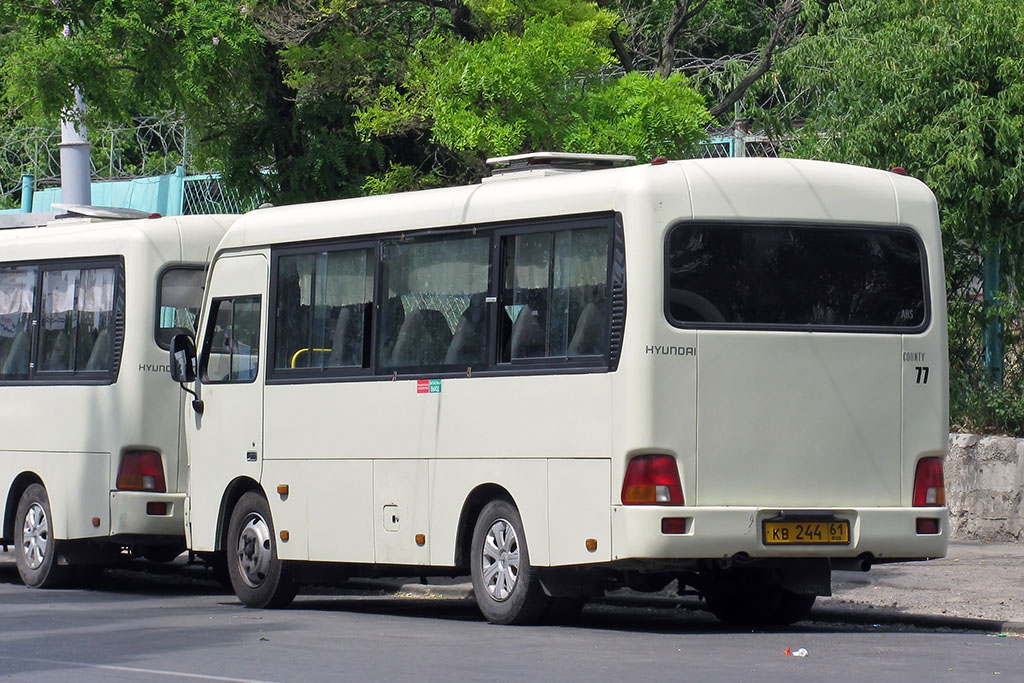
pixel 428 386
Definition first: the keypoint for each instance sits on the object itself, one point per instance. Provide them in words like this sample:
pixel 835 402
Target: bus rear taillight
pixel 929 485
pixel 141 471
pixel 652 480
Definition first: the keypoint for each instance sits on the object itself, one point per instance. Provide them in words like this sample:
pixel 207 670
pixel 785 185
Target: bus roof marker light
pixel 659 161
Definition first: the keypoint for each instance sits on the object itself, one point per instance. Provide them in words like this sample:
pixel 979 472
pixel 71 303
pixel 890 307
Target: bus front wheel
pixel 506 587
pixel 37 551
pixel 258 577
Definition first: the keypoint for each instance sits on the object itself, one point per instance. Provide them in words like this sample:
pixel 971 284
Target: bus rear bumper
pixel 878 534
pixel 147 513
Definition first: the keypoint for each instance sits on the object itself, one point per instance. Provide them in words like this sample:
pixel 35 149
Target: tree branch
pixel 784 32
pixel 678 23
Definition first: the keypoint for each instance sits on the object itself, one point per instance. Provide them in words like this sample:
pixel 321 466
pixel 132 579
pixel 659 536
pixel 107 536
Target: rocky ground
pixel 975 581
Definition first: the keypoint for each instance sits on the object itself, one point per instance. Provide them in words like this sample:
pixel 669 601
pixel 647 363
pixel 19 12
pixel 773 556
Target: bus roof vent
pixel 551 163
pixel 105 212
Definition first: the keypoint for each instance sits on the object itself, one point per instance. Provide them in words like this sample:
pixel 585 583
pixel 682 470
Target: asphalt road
pixel 148 623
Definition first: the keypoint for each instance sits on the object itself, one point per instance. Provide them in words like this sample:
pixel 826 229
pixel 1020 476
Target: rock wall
pixel 984 484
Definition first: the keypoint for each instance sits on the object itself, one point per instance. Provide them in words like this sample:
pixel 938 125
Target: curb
pixel 863 614
pixel 455 591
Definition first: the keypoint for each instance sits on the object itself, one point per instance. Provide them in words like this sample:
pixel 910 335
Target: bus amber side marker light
pixel 285 535
pixel 592 544
pixel 95 521
pixel 421 540
pixel 282 490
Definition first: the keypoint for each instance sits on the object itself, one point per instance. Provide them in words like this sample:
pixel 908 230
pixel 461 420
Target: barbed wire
pixel 147 146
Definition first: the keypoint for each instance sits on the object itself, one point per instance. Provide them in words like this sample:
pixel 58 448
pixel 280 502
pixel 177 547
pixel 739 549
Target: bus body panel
pixel 766 435
pixel 579 517
pixel 523 480
pixel 723 532
pixel 227 436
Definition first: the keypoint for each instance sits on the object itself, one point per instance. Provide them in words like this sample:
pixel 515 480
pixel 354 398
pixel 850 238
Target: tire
pixel 565 610
pixel 745 606
pixel 506 587
pixel 37 549
pixel 162 554
pixel 218 564
pixel 258 578
pixel 793 607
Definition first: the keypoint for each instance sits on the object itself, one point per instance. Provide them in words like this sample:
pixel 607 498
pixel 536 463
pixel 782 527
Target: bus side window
pixel 231 349
pixel 442 319
pixel 322 309
pixel 554 295
pixel 17 300
pixel 77 314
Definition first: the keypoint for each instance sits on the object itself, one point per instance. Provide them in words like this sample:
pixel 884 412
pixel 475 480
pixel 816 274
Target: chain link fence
pixel 205 194
pixel 753 146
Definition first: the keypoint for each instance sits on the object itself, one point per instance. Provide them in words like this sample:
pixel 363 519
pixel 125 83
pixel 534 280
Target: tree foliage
pixel 338 97
pixel 936 87
pixel 541 88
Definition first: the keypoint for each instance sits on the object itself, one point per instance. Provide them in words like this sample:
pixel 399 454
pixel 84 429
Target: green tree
pixel 337 97
pixel 208 59
pixel 936 87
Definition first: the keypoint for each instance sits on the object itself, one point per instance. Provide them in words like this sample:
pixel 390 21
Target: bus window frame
pixel 37 377
pixel 317 374
pixel 211 326
pixel 496 231
pixel 158 298
pixel 795 327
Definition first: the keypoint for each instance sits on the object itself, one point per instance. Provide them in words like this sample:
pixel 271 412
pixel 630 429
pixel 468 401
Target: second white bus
pixel 92 458
pixel 727 372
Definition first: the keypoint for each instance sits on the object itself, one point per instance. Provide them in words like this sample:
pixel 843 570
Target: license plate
pixel 832 532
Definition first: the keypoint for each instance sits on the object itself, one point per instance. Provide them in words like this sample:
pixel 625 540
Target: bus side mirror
pixel 183 358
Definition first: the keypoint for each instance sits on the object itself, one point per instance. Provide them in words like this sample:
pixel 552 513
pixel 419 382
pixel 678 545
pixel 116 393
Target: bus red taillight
pixel 141 471
pixel 652 480
pixel 929 484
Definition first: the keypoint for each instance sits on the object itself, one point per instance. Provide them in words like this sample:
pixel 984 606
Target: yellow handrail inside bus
pixel 298 354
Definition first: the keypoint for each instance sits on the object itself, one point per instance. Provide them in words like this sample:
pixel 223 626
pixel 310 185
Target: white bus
pixel 727 372
pixel 91 436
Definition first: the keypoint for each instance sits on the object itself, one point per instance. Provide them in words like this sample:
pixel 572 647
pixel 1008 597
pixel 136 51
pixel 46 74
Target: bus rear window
pixel 795 277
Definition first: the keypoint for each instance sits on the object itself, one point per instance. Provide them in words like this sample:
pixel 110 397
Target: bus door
pixel 228 439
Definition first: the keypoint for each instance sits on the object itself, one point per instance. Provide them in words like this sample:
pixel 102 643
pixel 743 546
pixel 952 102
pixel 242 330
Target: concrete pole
pixel 75 169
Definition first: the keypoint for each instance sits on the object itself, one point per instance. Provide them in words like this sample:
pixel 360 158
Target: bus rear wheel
pixel 506 587
pixel 37 549
pixel 258 577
